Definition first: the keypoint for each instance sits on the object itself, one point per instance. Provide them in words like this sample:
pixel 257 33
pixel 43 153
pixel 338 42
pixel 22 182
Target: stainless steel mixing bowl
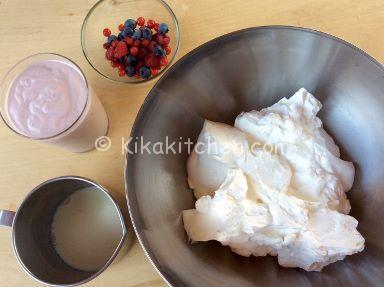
pixel 246 70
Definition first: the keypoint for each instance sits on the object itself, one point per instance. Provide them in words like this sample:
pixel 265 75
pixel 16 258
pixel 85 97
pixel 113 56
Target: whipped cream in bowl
pixel 272 63
pixel 274 184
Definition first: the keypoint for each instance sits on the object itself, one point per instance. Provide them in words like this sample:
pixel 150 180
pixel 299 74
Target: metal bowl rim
pixel 151 95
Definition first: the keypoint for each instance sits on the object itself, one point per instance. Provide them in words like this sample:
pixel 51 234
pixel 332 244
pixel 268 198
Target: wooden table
pixel 32 26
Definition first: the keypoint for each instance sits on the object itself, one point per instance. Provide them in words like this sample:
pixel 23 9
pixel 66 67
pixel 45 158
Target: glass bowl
pixel 111 13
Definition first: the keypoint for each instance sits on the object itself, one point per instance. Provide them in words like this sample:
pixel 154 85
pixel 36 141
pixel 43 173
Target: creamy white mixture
pixel 274 184
pixel 46 98
pixel 86 229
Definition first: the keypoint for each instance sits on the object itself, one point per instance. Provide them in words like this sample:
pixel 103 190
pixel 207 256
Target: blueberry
pixel 130 23
pixel 128 31
pixel 147 33
pixel 137 35
pixel 145 72
pixel 120 36
pixel 131 60
pixel 163 28
pixel 111 39
pixel 130 71
pixel 158 51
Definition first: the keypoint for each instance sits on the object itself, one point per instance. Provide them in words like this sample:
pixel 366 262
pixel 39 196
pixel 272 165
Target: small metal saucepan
pixel 31 232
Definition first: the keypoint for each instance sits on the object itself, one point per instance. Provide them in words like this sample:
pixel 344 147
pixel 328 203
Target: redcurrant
pixel 106 32
pixel 140 21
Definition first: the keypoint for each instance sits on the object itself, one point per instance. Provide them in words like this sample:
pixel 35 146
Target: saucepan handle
pixel 6 218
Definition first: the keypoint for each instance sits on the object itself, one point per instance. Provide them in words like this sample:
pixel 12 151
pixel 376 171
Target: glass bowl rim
pixel 83 45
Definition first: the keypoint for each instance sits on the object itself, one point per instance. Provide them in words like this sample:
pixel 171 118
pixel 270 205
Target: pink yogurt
pixel 46 99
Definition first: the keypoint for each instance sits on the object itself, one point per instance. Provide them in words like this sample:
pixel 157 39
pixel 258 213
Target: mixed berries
pixel 138 50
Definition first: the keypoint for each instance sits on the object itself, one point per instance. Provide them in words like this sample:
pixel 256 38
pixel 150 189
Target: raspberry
pixel 154 71
pixel 129 41
pixel 114 63
pixel 140 21
pixel 154 37
pixel 121 50
pixel 110 53
pixel 140 49
pixel 106 32
pixel 142 53
pixel 134 51
pixel 152 61
pixel 122 73
pixel 137 43
pixel 145 43
pixel 160 39
pixel 166 40
pixel 114 43
pixel 152 46
pixel 164 61
pixel 151 24
pixel 140 64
